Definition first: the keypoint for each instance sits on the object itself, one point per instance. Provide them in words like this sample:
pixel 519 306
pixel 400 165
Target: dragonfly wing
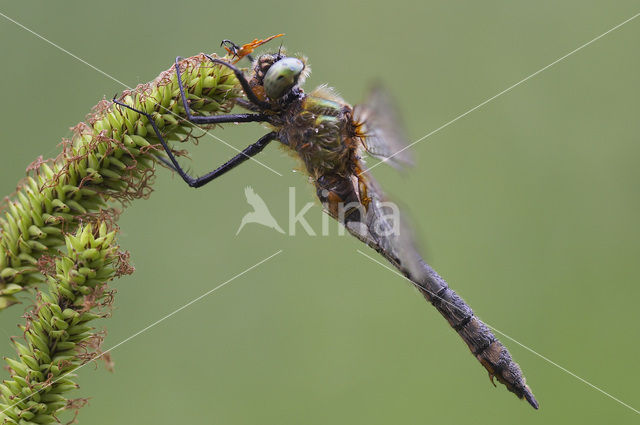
pixel 382 227
pixel 385 136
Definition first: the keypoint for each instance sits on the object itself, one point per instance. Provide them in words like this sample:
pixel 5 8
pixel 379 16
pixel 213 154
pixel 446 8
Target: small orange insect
pixel 246 49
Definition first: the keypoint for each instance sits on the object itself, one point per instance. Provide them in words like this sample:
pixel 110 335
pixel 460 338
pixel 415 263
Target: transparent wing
pixel 384 229
pixel 386 137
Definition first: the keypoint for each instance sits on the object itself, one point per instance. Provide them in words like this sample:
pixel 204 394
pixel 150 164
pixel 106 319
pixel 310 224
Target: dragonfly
pixel 330 136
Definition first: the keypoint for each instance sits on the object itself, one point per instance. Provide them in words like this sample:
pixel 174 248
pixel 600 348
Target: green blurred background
pixel 528 207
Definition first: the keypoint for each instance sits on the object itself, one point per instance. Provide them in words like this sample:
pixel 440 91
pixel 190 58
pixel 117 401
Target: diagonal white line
pixel 148 327
pixel 480 105
pixel 564 369
pixel 209 292
pixel 63 49
pixel 503 334
pixel 125 85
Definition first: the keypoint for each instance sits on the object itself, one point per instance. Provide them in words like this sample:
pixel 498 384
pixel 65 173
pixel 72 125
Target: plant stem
pixel 110 157
pixel 57 336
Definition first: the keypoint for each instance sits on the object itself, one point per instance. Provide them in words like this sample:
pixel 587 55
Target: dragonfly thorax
pixel 319 127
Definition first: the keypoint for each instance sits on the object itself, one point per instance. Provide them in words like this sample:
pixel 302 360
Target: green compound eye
pixel 282 76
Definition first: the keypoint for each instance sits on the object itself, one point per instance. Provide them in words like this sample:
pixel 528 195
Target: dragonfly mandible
pixel 329 136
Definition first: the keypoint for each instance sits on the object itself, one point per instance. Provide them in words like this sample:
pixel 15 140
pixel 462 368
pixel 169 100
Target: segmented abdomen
pixel 476 334
pixel 369 223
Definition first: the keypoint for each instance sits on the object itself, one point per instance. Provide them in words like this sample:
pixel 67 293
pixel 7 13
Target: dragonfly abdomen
pixel 484 345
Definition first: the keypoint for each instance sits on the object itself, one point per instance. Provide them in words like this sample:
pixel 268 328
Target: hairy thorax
pixel 319 128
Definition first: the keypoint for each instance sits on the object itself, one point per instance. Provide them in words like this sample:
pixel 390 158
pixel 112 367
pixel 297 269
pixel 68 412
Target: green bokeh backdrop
pixel 528 206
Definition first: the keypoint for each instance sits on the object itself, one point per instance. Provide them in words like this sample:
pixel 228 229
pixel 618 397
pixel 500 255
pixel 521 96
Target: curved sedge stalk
pixel 57 338
pixel 111 156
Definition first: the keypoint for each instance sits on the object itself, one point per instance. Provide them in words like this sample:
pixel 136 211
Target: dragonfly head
pixel 282 76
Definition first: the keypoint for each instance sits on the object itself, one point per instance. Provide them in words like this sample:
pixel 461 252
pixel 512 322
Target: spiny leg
pixel 213 119
pixel 166 163
pixel 174 162
pixel 243 82
pixel 246 153
pixel 243 103
pixel 196 182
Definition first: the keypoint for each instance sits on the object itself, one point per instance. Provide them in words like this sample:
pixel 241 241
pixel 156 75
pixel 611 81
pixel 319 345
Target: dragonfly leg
pixel 243 82
pixel 196 182
pixel 167 163
pixel 241 157
pixel 213 119
pixel 243 103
